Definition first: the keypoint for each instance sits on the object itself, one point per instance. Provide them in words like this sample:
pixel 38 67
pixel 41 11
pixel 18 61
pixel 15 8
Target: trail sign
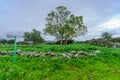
pixel 15 48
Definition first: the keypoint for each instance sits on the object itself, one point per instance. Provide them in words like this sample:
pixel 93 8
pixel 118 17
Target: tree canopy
pixel 64 25
pixel 34 36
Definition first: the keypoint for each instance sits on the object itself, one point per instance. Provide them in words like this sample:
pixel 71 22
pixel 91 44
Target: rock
pixel 70 55
pixel 3 53
pixel 64 55
pixel 83 53
pixel 91 54
pixel 36 55
pixel 96 52
pixel 29 54
pixel 49 54
pixel 22 54
pixel 19 51
pixel 73 52
pixel 10 53
pixel 56 54
pixel 76 55
pixel 42 54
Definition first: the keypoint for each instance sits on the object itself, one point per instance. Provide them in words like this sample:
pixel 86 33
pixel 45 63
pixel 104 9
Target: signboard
pixel 9 36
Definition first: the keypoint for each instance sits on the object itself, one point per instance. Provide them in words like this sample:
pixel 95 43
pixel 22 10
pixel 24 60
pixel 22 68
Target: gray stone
pixel 3 53
pixel 36 55
pixel 96 52
pixel 73 52
pixel 76 55
pixel 83 53
pixel 70 55
pixel 19 51
pixel 91 54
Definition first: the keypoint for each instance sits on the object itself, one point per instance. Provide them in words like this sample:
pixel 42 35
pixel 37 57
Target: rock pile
pixel 72 54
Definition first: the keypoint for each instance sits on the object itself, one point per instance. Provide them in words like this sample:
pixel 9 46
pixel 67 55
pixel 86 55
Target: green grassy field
pixel 104 66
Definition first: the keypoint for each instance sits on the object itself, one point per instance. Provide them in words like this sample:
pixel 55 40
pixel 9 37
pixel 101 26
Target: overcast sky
pixel 18 16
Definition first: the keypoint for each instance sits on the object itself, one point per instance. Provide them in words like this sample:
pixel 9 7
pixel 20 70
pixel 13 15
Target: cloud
pixel 24 15
pixel 111 25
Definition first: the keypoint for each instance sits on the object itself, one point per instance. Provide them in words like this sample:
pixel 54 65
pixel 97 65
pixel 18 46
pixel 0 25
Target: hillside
pixel 104 66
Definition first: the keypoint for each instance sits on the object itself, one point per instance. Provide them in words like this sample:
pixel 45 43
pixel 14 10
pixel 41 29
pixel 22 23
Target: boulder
pixel 76 55
pixel 64 55
pixel 96 52
pixel 83 53
pixel 91 54
pixel 73 52
pixel 36 55
pixel 49 54
pixel 3 53
pixel 19 51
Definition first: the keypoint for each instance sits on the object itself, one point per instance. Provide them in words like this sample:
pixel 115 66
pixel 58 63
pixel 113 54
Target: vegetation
pixel 104 66
pixel 50 48
pixel 106 41
pixel 64 25
pixel 34 36
pixel 5 41
pixel 106 35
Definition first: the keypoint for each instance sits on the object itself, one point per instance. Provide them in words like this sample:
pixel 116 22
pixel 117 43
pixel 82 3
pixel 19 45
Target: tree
pixel 3 41
pixel 34 36
pixel 64 25
pixel 11 41
pixel 106 35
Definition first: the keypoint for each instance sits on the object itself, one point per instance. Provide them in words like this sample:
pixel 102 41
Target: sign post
pixel 14 49
pixel 15 46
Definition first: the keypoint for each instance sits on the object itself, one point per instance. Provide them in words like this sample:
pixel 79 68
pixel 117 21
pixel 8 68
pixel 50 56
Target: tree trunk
pixel 66 42
pixel 61 41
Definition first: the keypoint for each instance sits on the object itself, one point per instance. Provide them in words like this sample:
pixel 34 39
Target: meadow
pixel 104 66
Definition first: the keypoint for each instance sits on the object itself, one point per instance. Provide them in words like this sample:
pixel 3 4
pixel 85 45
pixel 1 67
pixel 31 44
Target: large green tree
pixel 34 36
pixel 64 25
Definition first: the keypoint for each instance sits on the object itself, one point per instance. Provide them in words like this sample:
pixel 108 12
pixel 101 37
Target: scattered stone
pixel 3 53
pixel 19 51
pixel 56 55
pixel 96 52
pixel 91 54
pixel 10 53
pixel 73 52
pixel 76 55
pixel 83 53
pixel 49 54
pixel 70 55
pixel 64 55
pixel 42 54
pixel 36 55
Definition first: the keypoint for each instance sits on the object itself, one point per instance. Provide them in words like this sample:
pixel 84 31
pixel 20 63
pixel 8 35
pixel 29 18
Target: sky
pixel 19 16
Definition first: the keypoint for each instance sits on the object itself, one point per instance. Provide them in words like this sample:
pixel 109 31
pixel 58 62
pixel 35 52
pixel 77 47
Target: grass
pixel 105 66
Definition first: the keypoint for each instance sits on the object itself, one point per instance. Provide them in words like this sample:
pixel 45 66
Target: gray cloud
pixel 24 15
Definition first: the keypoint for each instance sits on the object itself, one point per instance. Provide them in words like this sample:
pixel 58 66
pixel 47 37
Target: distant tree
pixel 11 41
pixel 106 35
pixel 3 41
pixel 64 25
pixel 34 36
